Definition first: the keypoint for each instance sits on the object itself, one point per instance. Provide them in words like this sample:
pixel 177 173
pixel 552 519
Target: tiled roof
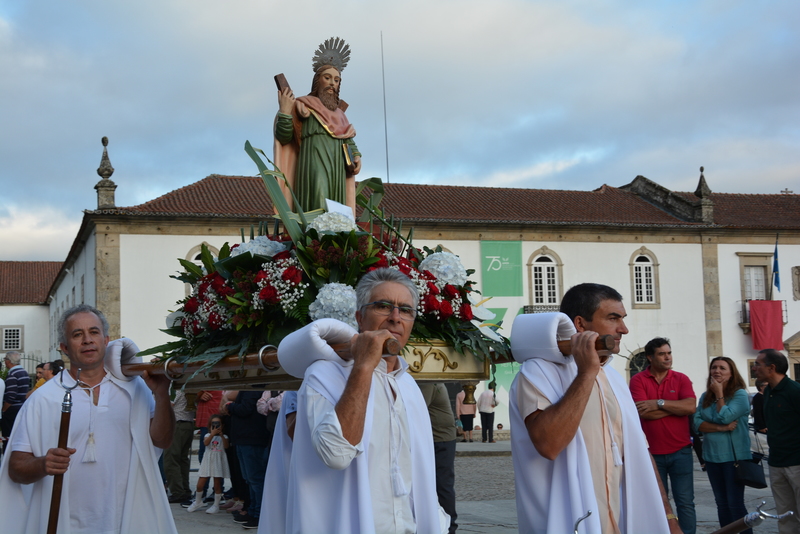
pixel 246 197
pixel 26 282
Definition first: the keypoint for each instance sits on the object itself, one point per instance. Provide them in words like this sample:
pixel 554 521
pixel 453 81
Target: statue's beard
pixel 329 100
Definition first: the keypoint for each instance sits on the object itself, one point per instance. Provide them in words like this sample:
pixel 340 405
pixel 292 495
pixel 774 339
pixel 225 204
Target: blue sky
pixel 509 93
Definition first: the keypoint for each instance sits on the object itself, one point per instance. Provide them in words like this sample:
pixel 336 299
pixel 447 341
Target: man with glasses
pixel 363 457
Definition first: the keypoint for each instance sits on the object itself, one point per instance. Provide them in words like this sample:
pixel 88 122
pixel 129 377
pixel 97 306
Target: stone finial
pixel 105 187
pixel 702 191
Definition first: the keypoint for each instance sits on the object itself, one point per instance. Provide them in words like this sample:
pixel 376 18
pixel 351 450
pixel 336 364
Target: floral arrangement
pixel 257 292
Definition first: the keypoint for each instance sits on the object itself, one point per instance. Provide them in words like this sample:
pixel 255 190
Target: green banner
pixel 501 268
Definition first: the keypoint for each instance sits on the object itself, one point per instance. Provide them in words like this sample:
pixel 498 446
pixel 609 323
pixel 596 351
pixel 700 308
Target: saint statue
pixel 314 145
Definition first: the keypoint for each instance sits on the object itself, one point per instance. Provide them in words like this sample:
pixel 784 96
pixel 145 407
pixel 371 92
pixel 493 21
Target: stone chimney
pixel 105 187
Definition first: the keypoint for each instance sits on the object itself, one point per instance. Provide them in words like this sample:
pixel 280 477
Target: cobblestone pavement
pixel 484 478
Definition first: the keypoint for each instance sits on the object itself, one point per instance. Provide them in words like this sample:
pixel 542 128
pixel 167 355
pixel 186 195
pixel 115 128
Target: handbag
pixel 749 472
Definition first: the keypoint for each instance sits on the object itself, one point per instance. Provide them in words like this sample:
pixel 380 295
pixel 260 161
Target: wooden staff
pixel 266 359
pixel 63 434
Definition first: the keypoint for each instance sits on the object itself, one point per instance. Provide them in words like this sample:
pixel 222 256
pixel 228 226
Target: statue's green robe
pixel 318 171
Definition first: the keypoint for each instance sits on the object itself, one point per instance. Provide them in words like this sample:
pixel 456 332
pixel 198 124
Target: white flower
pixel 479 311
pixel 332 222
pixel 335 301
pixel 487 331
pixel 446 267
pixel 261 245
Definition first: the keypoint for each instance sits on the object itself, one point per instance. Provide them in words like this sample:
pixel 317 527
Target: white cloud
pixel 32 233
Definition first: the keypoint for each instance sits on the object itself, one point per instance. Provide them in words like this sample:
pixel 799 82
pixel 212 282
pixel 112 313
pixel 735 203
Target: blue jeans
pixel 680 468
pixel 728 493
pixel 253 462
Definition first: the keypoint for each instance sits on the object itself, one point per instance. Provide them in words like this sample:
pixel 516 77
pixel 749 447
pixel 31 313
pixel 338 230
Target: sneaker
pixel 196 505
pixel 213 509
pixel 237 506
pixel 252 523
pixel 228 505
pixel 175 499
pixel 187 504
pixel 208 499
pixel 241 517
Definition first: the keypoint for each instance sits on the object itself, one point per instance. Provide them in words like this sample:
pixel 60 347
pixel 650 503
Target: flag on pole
pixel 776 275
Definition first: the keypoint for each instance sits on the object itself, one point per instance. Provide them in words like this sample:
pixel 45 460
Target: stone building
pixel 686 263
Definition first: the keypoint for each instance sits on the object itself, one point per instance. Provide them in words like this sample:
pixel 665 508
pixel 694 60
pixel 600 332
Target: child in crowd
pixel 215 464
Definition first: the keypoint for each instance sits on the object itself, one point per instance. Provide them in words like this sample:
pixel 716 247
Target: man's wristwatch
pixel 671 516
pixel 660 403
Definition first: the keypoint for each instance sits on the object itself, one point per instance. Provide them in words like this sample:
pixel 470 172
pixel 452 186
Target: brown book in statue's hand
pixel 349 164
pixel 280 81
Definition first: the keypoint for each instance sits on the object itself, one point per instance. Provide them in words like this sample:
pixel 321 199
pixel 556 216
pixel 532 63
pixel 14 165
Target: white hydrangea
pixel 333 222
pixel 261 245
pixel 335 301
pixel 446 267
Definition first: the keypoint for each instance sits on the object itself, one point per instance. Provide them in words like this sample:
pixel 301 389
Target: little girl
pixel 214 464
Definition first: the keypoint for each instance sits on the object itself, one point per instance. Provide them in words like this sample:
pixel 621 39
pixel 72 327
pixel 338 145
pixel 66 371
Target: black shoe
pixel 187 504
pixel 252 523
pixel 241 518
pixel 175 499
pixel 209 499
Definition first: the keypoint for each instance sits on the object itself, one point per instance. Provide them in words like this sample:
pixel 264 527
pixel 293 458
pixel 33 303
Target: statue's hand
pixel 357 166
pixel 285 101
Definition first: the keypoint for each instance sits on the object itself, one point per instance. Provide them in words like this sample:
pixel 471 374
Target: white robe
pixel 273 500
pixel 24 508
pixel 324 500
pixel 552 495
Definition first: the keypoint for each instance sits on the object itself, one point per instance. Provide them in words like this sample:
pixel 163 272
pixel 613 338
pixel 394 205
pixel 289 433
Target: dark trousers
pixel 487 425
pixel 7 422
pixel 177 459
pixel 728 493
pixel 677 470
pixel 253 462
pixel 238 483
pixel 445 457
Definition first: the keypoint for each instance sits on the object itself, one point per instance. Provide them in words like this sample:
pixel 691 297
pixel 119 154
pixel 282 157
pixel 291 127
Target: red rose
pixel 293 275
pixel 404 265
pixel 260 275
pixel 446 310
pixel 432 289
pixel 450 291
pixel 430 304
pixel 214 321
pixel 285 255
pixel 196 330
pixel 466 312
pixel 268 294
pixel 191 305
pixel 218 283
pixel 428 275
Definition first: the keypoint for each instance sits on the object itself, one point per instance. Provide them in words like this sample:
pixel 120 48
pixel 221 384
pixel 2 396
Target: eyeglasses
pixel 381 307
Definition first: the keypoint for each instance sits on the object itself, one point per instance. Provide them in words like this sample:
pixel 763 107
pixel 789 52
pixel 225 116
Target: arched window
pixel 545 288
pixel 636 363
pixel 644 280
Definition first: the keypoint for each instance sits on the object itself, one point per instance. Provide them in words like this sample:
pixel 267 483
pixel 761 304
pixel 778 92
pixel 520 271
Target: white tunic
pixel 121 492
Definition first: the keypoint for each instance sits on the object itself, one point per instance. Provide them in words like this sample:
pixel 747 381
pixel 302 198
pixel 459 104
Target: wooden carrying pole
pixel 63 434
pixel 266 359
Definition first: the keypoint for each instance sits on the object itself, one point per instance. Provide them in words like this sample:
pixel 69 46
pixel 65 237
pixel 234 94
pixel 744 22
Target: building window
pixel 644 280
pixel 637 362
pixel 195 256
pixel 12 338
pixel 755 273
pixel 544 280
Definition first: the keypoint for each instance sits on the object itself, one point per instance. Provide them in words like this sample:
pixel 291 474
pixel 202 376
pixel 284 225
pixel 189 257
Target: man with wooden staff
pixel 117 430
pixel 576 439
pixel 363 458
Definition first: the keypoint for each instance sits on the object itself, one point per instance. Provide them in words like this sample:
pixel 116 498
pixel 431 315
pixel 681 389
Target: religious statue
pixel 314 145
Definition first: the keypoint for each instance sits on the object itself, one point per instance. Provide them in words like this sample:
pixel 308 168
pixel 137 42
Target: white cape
pixel 552 495
pixel 324 500
pixel 273 500
pixel 25 508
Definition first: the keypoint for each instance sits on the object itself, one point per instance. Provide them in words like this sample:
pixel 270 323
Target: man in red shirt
pixel 665 400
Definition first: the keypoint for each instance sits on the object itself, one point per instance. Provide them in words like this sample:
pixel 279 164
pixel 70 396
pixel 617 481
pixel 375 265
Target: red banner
pixel 766 324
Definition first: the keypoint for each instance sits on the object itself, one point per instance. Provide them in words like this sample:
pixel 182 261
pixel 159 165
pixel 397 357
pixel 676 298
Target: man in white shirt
pixel 363 458
pixel 576 439
pixel 117 428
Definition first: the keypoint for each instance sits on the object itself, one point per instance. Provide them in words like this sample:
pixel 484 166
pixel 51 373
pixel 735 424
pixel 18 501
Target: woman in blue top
pixel 722 417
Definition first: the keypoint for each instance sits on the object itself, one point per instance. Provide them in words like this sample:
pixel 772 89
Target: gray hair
pixel 80 308
pixel 373 279
pixel 14 357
